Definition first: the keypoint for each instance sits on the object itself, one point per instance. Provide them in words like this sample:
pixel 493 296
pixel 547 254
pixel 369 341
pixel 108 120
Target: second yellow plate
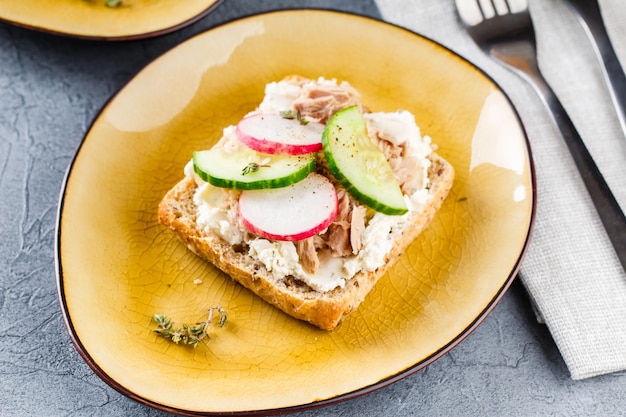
pixel 92 19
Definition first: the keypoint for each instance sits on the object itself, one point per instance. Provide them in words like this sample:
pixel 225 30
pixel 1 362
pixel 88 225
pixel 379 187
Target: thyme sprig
pixel 294 114
pixel 253 167
pixel 188 334
pixel 109 3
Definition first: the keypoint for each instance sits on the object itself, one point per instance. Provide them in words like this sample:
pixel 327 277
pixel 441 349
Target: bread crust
pixel 325 310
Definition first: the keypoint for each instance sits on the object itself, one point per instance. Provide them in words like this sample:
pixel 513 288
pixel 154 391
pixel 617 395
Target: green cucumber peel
pixel 359 165
pixel 232 169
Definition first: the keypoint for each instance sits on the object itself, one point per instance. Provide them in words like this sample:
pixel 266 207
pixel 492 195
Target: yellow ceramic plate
pixel 92 19
pixel 117 266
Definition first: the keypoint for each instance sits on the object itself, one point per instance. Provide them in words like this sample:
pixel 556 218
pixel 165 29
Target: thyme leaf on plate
pixel 188 334
pixel 109 3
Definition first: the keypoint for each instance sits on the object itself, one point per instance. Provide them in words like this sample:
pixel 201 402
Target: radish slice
pixel 295 212
pixel 274 134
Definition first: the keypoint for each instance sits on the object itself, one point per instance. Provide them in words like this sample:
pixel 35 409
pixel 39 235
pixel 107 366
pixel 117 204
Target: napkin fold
pixel 571 271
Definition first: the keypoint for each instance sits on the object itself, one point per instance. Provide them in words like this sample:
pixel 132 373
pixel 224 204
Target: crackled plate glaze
pixel 117 266
pixel 92 19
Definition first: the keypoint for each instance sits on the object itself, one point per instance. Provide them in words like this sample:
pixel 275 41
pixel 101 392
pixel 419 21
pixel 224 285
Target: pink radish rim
pixel 273 147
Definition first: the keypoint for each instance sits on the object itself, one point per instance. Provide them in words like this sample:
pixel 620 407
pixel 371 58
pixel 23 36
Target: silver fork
pixel 504 30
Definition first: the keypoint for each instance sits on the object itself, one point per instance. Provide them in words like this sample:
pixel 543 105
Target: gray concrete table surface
pixel 51 88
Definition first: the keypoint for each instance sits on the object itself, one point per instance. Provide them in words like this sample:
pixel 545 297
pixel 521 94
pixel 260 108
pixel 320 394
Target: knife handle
pixel 607 207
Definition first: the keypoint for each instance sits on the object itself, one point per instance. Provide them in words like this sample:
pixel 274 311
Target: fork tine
pixel 481 9
pixel 487 8
pixel 486 18
pixel 508 7
pixel 491 8
pixel 470 11
pixel 501 7
pixel 494 5
pixel 517 5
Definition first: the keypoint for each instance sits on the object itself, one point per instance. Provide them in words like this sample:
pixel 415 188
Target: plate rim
pixel 385 382
pixel 117 38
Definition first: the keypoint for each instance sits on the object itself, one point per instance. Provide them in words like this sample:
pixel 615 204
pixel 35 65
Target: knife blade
pixel 589 15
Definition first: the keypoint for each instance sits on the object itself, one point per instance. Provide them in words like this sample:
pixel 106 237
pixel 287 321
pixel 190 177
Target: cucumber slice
pixel 241 168
pixel 359 165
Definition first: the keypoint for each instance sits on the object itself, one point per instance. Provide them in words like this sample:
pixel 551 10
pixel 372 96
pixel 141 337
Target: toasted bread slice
pixel 325 310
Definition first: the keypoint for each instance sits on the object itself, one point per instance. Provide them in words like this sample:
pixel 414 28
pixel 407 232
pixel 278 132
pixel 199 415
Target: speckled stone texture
pixel 50 90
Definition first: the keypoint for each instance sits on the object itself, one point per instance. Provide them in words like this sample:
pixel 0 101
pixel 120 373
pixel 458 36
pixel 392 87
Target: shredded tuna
pixel 339 231
pixel 357 228
pixel 403 164
pixel 407 172
pixel 390 149
pixel 320 242
pixel 308 255
pixel 319 102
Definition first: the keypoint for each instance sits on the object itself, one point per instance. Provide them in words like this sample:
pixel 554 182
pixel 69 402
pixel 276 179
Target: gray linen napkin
pixel 571 271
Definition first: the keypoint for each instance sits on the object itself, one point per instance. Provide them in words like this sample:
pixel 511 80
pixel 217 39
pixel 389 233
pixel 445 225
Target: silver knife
pixel 590 17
